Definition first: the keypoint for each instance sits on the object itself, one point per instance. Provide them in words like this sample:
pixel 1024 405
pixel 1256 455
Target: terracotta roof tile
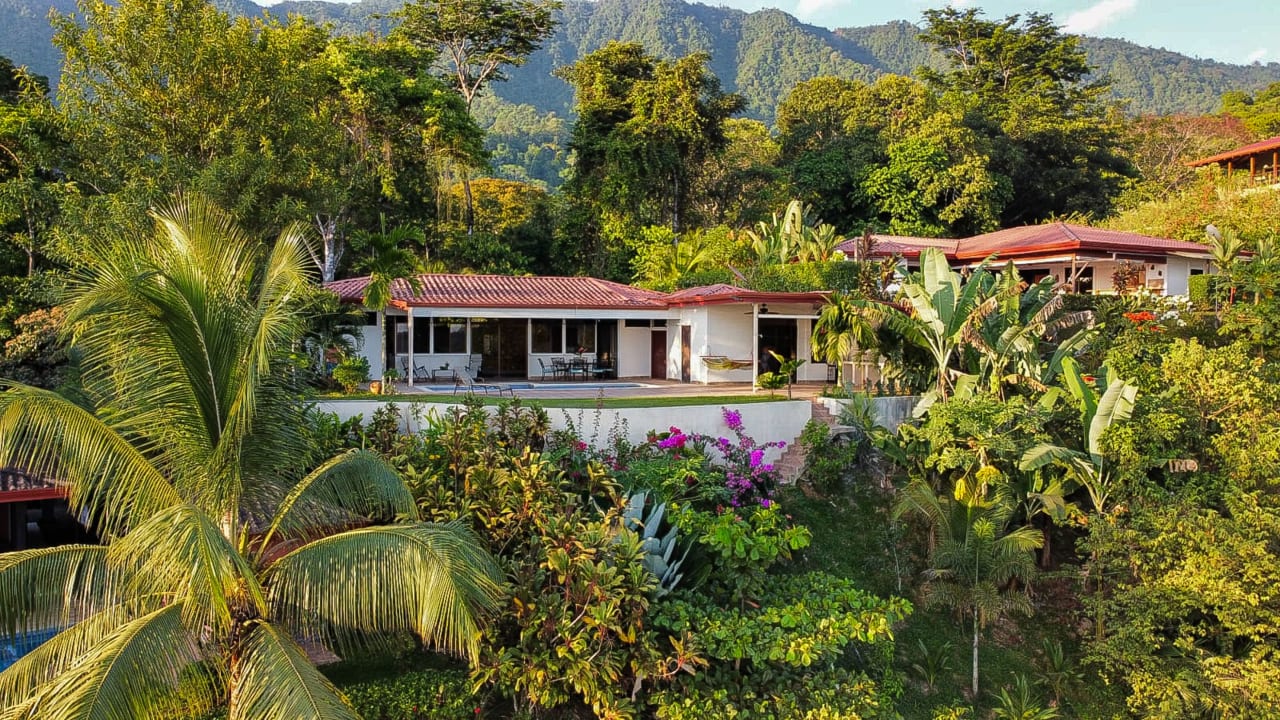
pixel 1060 237
pixel 904 245
pixel 503 291
pixel 722 294
pixel 1240 152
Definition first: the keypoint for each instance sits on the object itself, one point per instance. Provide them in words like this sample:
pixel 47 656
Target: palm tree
pixel 187 457
pixel 977 566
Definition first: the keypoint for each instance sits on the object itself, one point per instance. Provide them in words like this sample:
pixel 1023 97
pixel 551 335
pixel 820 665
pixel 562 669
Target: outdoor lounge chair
pixel 420 373
pixel 464 380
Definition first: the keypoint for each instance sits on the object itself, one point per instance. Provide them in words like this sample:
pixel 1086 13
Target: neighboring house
pixel 517 327
pixel 1083 257
pixel 1261 160
pixel 33 512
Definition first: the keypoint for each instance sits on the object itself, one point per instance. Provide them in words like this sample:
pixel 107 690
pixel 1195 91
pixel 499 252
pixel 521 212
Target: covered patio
pixel 1255 164
pixel 500 327
pixel 727 333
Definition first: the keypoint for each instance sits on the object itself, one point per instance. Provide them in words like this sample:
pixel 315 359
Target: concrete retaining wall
pixel 890 411
pixel 780 421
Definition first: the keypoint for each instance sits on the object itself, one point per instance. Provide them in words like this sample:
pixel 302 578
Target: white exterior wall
pixel 634 345
pixel 778 421
pixel 1179 270
pixel 371 349
pixel 696 318
pixel 728 333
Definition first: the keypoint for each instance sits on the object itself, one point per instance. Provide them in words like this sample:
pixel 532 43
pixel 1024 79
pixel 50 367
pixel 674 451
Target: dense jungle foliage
pixel 1080 521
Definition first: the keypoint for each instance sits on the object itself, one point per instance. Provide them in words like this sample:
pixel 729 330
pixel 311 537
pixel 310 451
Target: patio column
pixel 1275 166
pixel 409 371
pixel 755 344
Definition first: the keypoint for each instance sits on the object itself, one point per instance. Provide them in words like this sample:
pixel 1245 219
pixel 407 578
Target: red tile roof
pixel 906 246
pixel 503 291
pixel 1032 240
pixel 1240 152
pixel 722 294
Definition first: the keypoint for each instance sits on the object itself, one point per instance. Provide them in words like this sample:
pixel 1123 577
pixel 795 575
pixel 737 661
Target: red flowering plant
pixel 1145 320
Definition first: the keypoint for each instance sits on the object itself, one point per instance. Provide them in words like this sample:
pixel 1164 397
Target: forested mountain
pixel 761 55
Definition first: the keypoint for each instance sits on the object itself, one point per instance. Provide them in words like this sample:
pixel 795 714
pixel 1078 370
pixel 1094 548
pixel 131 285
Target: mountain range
pixel 761 54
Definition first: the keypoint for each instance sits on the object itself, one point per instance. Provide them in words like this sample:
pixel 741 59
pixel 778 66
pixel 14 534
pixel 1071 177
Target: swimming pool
pixel 536 387
pixel 13 648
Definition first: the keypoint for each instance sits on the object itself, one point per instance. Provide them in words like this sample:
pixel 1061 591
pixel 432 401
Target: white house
pixel 1084 257
pixel 541 327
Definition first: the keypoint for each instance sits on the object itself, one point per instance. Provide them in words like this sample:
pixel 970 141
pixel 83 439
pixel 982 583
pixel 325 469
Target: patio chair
pixel 420 373
pixel 464 379
pixel 552 371
pixel 560 367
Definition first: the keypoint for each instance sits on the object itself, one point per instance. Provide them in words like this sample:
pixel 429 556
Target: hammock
pixel 720 362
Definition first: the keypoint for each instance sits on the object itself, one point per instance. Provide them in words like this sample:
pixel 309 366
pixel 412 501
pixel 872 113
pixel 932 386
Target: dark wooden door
pixel 658 355
pixel 686 352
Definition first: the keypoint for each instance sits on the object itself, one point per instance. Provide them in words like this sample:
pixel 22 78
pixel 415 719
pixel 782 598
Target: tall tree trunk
pixel 468 212
pixel 974 688
pixel 331 246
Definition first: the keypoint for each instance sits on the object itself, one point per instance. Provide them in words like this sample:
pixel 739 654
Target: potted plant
pixel 389 378
pixel 783 376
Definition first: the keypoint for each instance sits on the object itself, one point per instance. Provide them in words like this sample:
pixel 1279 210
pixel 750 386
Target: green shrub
pixel 415 695
pixel 1199 288
pixel 351 372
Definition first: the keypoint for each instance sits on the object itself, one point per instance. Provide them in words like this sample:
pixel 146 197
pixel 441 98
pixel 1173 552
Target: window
pixel 370 319
pixel 637 323
pixel 421 336
pixel 580 334
pixel 450 335
pixel 546 336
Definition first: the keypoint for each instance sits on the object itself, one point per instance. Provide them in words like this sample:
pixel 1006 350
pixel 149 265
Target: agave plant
pixel 659 549
pixel 221 548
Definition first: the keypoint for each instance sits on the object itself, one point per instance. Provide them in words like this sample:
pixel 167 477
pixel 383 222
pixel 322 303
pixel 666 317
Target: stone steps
pixel 791 464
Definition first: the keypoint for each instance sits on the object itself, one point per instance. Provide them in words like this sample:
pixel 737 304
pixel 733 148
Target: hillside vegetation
pixel 760 55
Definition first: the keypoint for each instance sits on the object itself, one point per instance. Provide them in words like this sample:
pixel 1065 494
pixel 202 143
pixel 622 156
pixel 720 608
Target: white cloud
pixel 1098 16
pixel 959 3
pixel 1256 55
pixel 807 9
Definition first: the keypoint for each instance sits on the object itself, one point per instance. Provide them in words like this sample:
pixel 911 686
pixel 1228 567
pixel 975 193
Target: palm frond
pixel 356 483
pixel 58 654
pixel 50 587
pixel 276 681
pixel 134 672
pixel 110 480
pixel 434 580
pixel 181 553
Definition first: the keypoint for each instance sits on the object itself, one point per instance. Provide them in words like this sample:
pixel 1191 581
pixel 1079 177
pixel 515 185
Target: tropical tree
pixel 977 565
pixel 943 308
pixel 186 454
pixel 845 324
pixel 478 40
pixel 1099 410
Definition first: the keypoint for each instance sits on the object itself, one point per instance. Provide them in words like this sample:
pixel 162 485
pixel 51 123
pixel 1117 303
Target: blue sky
pixel 1238 31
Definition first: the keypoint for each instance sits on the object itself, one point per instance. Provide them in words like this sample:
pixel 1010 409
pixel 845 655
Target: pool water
pixel 535 387
pixel 13 648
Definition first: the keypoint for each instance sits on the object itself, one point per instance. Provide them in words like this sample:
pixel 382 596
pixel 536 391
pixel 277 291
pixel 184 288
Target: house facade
pixel 507 327
pixel 1086 259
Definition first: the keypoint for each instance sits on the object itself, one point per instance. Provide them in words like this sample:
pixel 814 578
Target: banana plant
pixel 1012 325
pixel 942 307
pixel 1099 410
